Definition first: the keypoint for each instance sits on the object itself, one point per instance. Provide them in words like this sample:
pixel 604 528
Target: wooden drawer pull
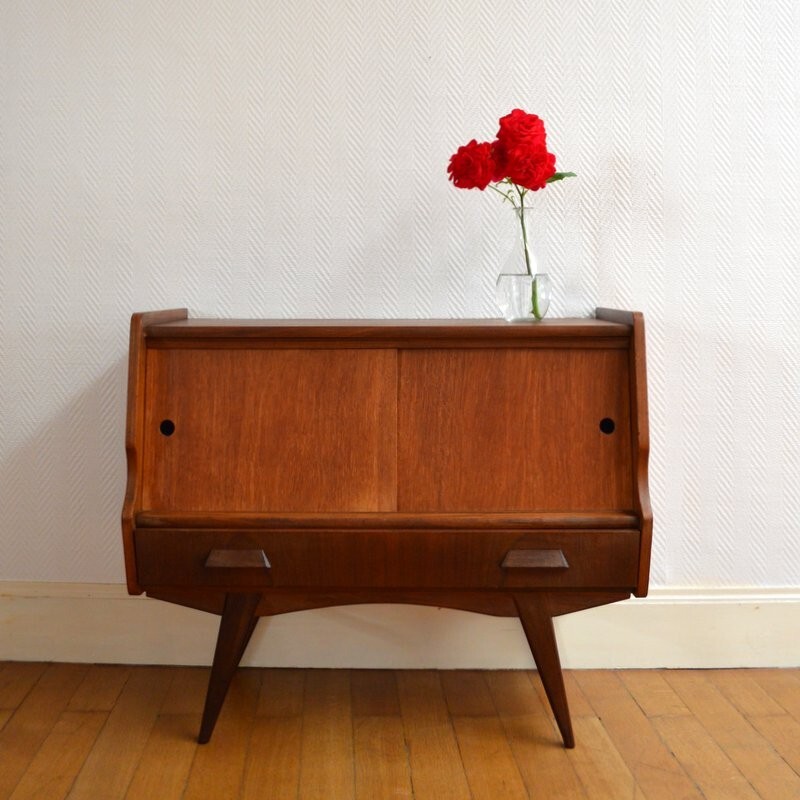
pixel 535 559
pixel 237 559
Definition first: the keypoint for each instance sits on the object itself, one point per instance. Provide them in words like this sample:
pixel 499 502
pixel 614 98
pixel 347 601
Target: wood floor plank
pixel 52 771
pixel 742 743
pixel 163 769
pixel 579 706
pixel 489 762
pixel 783 733
pixel 600 767
pixel 326 764
pixel 17 678
pixel 652 765
pixel 704 760
pixel 112 762
pixel 282 692
pixel 743 692
pixel 437 772
pixel 218 767
pixel 381 759
pixel 467 694
pixel 187 692
pixel 652 693
pixel 705 701
pixel 273 759
pixel 31 723
pixel 783 686
pixel 111 732
pixel 374 693
pixel 100 688
pixel 541 759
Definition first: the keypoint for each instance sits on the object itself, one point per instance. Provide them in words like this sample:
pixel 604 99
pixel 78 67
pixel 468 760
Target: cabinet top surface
pixel 385 328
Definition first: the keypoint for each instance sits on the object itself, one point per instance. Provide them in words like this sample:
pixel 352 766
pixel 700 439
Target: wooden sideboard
pixel 278 465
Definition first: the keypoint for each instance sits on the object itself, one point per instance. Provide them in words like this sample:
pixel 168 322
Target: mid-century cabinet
pixel 279 465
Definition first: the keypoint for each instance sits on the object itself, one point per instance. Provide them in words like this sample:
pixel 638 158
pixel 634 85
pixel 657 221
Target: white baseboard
pixel 671 628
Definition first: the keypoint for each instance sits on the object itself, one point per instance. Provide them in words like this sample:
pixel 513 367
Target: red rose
pixel 521 128
pixel 520 151
pixel 527 167
pixel 472 166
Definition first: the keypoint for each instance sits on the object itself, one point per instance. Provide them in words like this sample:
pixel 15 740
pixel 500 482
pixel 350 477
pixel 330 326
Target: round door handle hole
pixel 607 425
pixel 167 427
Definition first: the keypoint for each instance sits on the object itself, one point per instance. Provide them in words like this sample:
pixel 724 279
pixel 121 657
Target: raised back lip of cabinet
pixel 529 553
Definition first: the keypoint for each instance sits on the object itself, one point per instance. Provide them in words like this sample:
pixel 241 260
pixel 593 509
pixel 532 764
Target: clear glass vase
pixel 521 291
pixel 523 296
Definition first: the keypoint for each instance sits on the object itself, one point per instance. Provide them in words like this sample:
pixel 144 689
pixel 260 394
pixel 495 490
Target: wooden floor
pixel 105 732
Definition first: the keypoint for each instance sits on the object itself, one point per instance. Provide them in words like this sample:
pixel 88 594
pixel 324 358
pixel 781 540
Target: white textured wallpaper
pixel 287 159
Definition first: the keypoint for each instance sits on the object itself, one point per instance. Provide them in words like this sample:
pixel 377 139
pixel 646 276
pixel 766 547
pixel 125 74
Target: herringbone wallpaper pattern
pixel 287 159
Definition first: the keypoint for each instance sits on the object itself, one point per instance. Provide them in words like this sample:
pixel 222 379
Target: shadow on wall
pixel 62 480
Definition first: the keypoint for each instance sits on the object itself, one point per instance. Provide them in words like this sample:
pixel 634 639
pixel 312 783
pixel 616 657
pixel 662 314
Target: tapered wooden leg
pixel 538 626
pixel 235 629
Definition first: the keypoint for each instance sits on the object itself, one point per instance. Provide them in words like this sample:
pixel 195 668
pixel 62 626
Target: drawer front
pixel 441 559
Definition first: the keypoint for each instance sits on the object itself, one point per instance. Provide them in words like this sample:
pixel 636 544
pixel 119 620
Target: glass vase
pixel 521 291
pixel 521 297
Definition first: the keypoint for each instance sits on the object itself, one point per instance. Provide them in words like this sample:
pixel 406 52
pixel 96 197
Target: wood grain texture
pixel 235 629
pixel 545 767
pixel 135 428
pixel 218 768
pixel 599 765
pixel 727 725
pixel 534 559
pixel 112 762
pixel 166 760
pixel 100 688
pixel 654 768
pixel 52 771
pixel 641 454
pixel 537 622
pixel 382 559
pixel 522 521
pixel 273 759
pixel 421 734
pixel 292 430
pixel 38 712
pixel 274 753
pixel 436 767
pixel 387 333
pixel 513 430
pixel 381 759
pixel 326 765
pixel 16 680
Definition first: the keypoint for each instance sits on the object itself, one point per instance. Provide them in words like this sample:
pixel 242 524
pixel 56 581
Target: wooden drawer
pixel 427 559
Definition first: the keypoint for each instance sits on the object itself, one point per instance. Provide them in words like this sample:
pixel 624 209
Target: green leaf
pixel 559 176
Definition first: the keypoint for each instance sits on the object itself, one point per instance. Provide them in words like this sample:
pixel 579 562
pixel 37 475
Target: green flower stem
pixel 520 209
pixel 524 231
pixel 537 314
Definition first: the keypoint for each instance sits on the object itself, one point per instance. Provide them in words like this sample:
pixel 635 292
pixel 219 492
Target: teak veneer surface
pixel 278 465
pixel 513 430
pixel 285 430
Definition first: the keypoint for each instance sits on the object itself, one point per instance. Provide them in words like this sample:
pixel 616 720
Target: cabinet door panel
pixel 271 430
pixel 514 430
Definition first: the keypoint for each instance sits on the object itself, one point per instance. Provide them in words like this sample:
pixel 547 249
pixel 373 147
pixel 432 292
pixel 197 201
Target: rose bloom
pixel 529 167
pixel 520 128
pixel 472 166
pixel 520 151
